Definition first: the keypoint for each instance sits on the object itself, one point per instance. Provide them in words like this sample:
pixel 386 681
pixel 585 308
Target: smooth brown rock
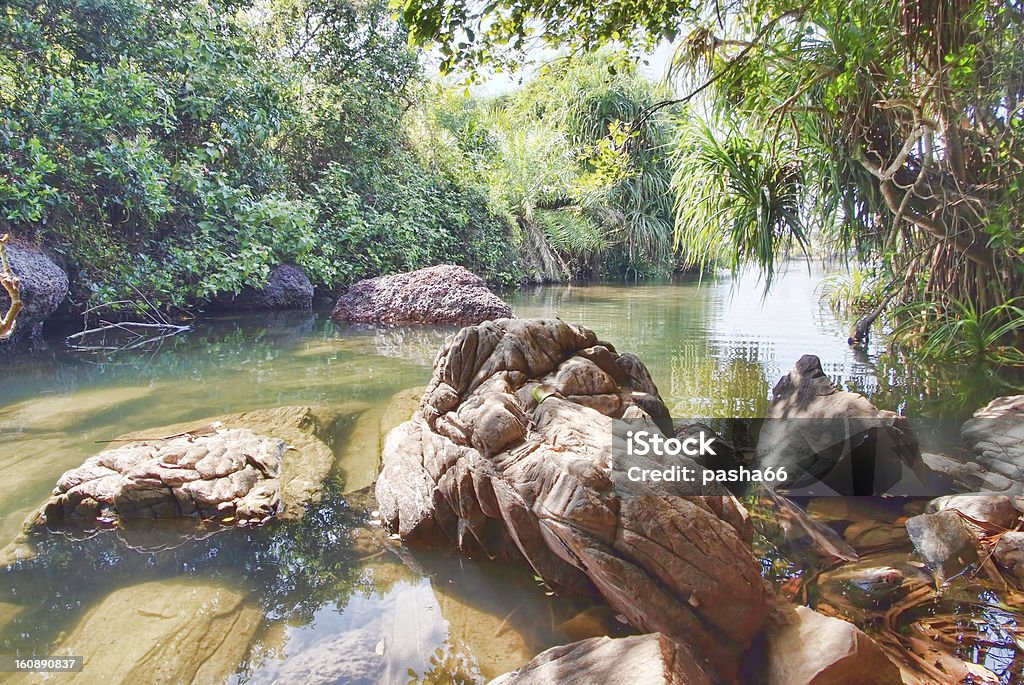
pixel 811 649
pixel 1009 553
pixel 650 659
pixel 162 632
pixel 441 294
pixel 500 462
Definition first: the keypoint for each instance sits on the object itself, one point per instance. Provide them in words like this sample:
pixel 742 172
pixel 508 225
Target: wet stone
pixel 229 473
pixel 944 542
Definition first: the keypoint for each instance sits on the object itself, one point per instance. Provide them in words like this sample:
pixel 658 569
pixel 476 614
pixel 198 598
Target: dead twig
pixel 12 285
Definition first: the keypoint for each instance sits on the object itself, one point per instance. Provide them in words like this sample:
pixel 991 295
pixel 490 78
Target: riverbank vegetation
pixel 178 151
pixel 891 130
pixel 174 152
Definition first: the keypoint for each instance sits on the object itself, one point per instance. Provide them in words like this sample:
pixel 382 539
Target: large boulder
pixel 509 456
pixel 833 441
pixel 43 287
pixel 442 294
pixel 161 632
pixel 287 287
pixel 230 474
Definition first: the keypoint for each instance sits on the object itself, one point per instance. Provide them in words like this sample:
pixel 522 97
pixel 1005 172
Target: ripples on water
pixel 329 584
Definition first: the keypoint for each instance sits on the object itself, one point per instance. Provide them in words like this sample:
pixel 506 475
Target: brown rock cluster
pixel 509 456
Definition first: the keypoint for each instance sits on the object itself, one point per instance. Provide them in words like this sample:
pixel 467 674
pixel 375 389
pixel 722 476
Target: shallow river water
pixel 327 589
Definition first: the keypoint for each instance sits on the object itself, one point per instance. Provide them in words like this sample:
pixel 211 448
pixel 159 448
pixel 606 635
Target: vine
pixel 12 285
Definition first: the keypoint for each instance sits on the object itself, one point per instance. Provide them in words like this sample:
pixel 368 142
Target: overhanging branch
pixel 12 285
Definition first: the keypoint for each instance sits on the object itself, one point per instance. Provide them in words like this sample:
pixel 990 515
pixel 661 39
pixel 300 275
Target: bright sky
pixel 496 84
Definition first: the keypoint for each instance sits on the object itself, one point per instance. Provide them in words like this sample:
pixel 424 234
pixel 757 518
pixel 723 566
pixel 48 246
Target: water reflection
pixel 330 586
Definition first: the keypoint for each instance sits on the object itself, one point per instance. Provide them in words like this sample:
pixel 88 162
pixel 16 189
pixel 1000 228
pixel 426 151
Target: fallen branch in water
pixel 12 285
pixel 128 326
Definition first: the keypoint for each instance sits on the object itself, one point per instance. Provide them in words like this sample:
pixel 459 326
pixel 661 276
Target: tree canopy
pixel 892 128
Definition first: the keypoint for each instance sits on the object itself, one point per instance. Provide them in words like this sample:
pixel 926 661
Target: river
pixel 715 348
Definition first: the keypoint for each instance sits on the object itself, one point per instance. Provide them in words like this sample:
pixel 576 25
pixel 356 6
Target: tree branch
pixel 12 285
pixel 646 114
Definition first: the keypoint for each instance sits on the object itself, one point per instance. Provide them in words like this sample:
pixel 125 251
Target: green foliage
pixel 892 129
pixel 560 155
pixel 180 150
pixel 961 332
pixel 735 203
pixel 852 293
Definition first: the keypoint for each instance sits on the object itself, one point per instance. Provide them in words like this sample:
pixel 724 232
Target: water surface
pixel 328 585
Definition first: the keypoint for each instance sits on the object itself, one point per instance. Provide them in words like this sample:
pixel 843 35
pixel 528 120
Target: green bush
pixel 179 150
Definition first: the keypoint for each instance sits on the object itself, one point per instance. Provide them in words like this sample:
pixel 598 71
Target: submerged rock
pixel 944 542
pixel 442 294
pixel 824 436
pixel 162 632
pixel 871 536
pixel 44 285
pixel 812 649
pixel 288 287
pixel 221 470
pixel 359 463
pixel 651 659
pixel 873 583
pixel 230 474
pixel 509 456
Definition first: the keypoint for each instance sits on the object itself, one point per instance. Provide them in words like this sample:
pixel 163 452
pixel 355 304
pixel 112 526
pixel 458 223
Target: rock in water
pixel 823 435
pixel 231 474
pixel 650 659
pixel 43 287
pixel 236 473
pixel 996 510
pixel 509 457
pixel 164 633
pixel 287 287
pixel 812 649
pixel 1009 553
pixel 442 294
pixel 944 542
pixel 996 437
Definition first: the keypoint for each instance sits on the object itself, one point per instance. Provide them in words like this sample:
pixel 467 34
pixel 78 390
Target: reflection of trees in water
pixel 718 380
pixel 288 569
pixel 243 339
pixel 902 383
pixel 449 665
